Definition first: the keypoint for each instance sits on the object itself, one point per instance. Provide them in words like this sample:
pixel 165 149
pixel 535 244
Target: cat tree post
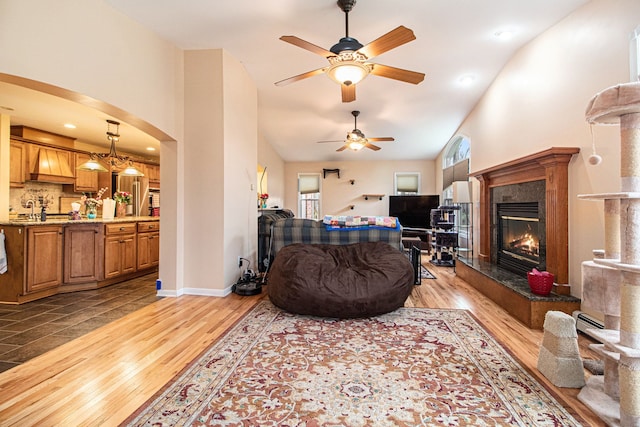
pixel 620 104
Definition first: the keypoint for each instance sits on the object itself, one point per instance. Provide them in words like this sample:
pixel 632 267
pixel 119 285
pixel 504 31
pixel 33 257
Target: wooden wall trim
pixel 552 166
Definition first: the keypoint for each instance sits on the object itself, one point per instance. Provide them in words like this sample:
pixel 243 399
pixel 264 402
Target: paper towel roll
pixel 108 208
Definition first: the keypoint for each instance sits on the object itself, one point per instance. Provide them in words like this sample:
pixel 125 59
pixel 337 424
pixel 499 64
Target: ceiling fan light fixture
pixel 348 68
pixel 357 145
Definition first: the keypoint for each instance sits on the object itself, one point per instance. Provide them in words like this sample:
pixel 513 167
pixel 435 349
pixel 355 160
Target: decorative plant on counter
pixel 122 197
pixel 92 203
pixel 263 199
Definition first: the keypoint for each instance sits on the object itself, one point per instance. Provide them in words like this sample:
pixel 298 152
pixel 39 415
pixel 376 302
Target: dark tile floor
pixel 31 329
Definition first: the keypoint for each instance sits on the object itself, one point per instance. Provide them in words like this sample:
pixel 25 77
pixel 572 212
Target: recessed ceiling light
pixel 151 149
pixel 466 79
pixel 69 125
pixel 504 34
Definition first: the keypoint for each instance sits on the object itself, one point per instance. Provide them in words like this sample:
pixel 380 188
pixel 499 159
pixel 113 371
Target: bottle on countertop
pixel 43 214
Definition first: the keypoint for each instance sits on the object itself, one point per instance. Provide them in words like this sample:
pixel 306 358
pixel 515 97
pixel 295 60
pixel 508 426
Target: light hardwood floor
pixel 104 376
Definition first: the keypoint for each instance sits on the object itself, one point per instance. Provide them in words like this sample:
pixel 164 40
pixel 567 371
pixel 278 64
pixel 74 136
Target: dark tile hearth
pixel 31 329
pixel 514 281
pixel 511 292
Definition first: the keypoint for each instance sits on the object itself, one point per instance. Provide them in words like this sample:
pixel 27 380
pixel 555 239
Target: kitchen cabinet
pixel 47 258
pixel 44 258
pixel 86 181
pixel 17 164
pixel 119 249
pixel 148 244
pixel 83 258
pixel 153 173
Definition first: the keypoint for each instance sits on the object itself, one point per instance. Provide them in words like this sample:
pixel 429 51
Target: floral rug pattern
pixel 411 367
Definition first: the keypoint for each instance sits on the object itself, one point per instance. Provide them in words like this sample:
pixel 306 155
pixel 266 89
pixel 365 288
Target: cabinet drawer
pixel 123 228
pixel 148 226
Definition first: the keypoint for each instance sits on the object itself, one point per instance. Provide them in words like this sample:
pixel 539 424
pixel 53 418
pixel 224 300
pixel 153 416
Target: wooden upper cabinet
pixel 17 166
pixel 86 181
pixel 153 173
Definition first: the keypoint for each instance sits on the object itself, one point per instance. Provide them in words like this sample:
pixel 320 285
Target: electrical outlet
pixel 239 262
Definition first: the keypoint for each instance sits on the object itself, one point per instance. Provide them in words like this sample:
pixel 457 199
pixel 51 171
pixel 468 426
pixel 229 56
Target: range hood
pixel 52 165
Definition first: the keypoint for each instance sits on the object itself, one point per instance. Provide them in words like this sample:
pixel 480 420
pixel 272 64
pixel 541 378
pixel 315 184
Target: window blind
pixel 308 184
pixel 407 183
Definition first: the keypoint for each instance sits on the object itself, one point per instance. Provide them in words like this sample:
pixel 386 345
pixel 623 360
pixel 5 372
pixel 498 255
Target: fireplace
pixel 518 239
pixel 549 167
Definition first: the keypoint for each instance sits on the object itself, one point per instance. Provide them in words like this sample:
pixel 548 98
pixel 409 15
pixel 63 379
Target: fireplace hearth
pixel 518 239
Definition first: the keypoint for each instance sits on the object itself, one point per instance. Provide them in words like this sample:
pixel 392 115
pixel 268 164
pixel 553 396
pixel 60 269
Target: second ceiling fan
pixel 348 58
pixel 356 140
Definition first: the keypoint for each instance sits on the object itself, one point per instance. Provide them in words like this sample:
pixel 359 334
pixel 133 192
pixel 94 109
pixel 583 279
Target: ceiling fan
pixel 356 140
pixel 348 58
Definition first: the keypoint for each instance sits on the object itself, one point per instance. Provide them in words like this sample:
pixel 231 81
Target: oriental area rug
pixel 411 367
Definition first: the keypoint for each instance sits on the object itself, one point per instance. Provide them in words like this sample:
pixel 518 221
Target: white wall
pixel 88 47
pixel 221 141
pixel 370 177
pixel 240 174
pixel 269 158
pixel 539 99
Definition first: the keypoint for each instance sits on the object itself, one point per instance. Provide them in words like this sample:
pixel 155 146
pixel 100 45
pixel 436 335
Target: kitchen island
pixel 63 255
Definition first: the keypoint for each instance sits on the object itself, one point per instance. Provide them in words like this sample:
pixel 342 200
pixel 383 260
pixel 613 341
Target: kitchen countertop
pixel 54 220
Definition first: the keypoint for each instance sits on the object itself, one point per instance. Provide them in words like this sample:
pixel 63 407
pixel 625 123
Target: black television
pixel 413 211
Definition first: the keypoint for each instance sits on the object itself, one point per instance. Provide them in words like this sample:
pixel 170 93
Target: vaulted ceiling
pixel 454 40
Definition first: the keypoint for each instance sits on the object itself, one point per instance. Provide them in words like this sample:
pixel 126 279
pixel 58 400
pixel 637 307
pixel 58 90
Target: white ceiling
pixel 453 39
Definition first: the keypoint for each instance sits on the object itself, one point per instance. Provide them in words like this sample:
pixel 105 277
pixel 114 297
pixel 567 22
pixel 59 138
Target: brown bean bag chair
pixel 341 281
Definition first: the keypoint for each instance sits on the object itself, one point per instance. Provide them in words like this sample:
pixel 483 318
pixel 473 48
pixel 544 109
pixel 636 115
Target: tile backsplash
pixel 41 193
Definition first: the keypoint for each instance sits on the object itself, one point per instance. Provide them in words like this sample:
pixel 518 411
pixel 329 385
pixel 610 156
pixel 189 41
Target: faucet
pixel 32 204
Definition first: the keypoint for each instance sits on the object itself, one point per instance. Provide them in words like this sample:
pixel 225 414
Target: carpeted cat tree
pixel 611 282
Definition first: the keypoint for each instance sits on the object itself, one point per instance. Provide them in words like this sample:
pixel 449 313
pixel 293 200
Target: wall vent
pixel 584 322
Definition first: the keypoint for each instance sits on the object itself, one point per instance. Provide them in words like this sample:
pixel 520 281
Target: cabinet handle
pixel 121 241
pixel 122 228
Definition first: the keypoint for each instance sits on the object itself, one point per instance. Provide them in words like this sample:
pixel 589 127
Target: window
pixel 634 56
pixel 309 196
pixel 455 165
pixel 406 183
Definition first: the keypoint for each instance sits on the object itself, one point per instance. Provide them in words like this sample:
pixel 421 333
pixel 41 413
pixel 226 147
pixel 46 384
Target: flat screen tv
pixel 413 211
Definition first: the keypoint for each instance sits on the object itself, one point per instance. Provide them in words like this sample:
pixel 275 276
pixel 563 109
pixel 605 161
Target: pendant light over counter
pixel 112 158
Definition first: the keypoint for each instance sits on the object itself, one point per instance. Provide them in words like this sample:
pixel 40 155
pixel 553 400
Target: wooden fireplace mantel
pixel 550 165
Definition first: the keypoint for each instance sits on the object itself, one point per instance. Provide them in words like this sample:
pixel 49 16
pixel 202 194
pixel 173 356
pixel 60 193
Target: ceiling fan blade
pixel 385 43
pixel 296 41
pixel 397 74
pixel 344 147
pixel 300 77
pixel 386 138
pixel 348 93
pixel 371 146
pixel 337 140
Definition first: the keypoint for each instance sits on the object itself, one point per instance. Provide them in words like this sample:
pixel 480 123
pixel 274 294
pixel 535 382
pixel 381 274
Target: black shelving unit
pixel 444 235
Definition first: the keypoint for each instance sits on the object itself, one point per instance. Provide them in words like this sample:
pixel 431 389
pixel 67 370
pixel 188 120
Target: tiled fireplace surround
pixel 518 180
